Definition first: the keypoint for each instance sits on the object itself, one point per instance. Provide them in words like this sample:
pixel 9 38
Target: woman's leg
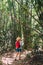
pixel 16 54
pixel 19 55
pixel 20 50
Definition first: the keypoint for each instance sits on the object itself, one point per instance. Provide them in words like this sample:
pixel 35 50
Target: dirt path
pixel 9 58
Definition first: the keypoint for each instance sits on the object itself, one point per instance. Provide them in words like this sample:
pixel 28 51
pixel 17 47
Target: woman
pixel 17 45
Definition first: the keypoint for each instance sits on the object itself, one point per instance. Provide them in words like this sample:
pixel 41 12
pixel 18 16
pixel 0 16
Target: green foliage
pixel 15 20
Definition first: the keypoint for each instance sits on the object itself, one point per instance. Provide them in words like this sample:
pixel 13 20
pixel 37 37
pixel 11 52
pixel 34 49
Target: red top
pixel 17 44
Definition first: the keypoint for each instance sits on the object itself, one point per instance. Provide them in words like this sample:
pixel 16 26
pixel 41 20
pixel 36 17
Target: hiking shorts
pixel 18 49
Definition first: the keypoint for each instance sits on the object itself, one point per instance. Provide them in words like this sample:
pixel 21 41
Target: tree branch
pixel 28 12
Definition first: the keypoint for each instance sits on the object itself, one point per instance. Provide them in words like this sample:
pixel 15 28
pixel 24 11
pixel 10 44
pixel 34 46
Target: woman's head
pixel 18 38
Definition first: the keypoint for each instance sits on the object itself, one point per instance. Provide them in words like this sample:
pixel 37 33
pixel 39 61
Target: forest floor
pixel 9 58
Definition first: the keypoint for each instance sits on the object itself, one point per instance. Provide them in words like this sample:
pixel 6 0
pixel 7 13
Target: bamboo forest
pixel 23 19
